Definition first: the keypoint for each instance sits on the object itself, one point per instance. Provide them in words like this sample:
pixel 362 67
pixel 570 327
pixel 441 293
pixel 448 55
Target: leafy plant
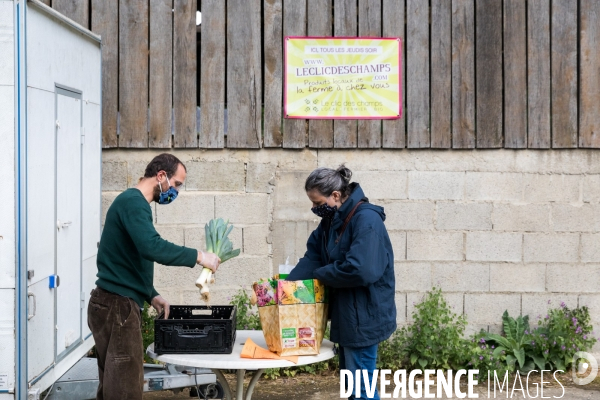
pixel 481 356
pixel 434 340
pixel 514 343
pixel 148 318
pixel 247 314
pixel 561 334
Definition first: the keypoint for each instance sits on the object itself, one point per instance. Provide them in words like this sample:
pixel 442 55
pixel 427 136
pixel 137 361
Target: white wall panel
pixel 7 45
pixel 59 54
pixel 40 329
pixel 91 179
pixel 88 277
pixel 7 163
pixel 7 336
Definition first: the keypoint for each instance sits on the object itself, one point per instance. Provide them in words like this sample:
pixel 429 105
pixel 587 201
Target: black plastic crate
pixel 196 330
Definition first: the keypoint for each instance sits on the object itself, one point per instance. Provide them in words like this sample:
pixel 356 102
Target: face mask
pixel 324 211
pixel 169 196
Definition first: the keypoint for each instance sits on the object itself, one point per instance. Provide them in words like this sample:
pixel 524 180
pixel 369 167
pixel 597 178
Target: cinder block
pixel 454 301
pixel 196 238
pixel 289 198
pixel 487 308
pixel 412 276
pixel 496 186
pixel 173 234
pixel 494 246
pixel 573 278
pixel 256 240
pixel 576 218
pixel 289 240
pixel 114 175
pixel 251 208
pixel 260 178
pixel 409 215
pixel 389 185
pixel 400 300
pixel 295 160
pixel 521 217
pixel 472 329
pixel 591 189
pixel 216 176
pixel 398 239
pixel 243 271
pixel 136 170
pixel 497 329
pixel 434 246
pixel 464 216
pixel 517 277
pixel 176 277
pixel 219 295
pixel 590 247
pixel 538 305
pixel 545 188
pixel 542 247
pixel 436 185
pixel 461 277
pixel 188 208
pixel 170 294
pixel 107 200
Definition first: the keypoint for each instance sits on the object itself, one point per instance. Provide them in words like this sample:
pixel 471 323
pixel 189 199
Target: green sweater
pixel 130 245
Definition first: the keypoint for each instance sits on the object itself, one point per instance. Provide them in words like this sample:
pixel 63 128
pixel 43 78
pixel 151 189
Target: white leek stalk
pixel 202 283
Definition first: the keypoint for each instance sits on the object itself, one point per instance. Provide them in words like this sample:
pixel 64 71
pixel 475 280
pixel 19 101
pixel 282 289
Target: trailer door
pixel 68 219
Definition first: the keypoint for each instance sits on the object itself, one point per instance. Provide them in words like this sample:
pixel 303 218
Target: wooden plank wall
pixel 476 73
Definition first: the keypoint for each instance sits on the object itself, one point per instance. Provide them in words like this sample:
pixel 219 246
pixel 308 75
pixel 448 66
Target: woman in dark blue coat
pixel 350 251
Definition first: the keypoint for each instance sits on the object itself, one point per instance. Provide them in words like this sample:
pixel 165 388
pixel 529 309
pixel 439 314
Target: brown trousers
pixel 115 322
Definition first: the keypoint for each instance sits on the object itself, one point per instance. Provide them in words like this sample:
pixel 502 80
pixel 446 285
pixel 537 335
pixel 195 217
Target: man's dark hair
pixel 163 162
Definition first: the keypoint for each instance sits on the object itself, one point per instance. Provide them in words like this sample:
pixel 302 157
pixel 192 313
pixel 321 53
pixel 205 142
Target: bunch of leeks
pixel 217 242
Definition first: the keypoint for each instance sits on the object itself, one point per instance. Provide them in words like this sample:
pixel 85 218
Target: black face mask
pixel 324 211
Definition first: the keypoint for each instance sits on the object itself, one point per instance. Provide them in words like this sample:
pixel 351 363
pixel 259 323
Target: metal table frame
pixel 219 362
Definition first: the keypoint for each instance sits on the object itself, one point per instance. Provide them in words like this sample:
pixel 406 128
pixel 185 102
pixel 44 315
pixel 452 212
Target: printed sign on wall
pixel 343 78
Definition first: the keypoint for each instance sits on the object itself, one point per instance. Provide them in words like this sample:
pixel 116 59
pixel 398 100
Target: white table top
pixel 234 361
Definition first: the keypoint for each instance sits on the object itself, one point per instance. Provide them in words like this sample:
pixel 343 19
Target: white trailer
pixel 50 151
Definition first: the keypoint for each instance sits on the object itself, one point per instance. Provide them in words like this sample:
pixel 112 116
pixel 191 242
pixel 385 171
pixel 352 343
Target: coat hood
pixel 356 195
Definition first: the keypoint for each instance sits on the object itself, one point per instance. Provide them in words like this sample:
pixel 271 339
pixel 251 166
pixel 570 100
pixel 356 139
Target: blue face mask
pixel 169 196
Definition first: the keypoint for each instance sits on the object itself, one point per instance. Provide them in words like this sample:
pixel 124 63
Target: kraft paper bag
pixel 293 315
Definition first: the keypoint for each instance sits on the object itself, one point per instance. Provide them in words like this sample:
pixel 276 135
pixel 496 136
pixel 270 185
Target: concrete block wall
pixel 495 230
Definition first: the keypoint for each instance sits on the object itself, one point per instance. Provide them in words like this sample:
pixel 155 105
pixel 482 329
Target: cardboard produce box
pixel 293 315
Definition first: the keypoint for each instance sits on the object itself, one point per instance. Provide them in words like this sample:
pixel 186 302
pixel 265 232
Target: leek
pixel 217 242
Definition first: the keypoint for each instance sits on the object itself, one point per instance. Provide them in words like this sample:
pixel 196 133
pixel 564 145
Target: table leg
pixel 252 383
pixel 239 391
pixel 224 383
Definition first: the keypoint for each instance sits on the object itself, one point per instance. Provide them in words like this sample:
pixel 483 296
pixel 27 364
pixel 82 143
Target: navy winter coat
pixel 359 271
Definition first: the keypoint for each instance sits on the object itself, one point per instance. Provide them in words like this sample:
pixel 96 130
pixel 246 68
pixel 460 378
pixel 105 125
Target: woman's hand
pixel 208 260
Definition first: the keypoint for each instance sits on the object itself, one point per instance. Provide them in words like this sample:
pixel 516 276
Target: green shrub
pixel 247 314
pixel 148 317
pixel 559 335
pixel 434 339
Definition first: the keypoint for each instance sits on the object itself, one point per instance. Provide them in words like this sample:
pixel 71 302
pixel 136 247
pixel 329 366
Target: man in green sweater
pixel 128 249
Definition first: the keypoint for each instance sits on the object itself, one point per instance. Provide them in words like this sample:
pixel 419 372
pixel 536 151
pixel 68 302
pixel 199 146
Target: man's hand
pixel 208 260
pixel 161 304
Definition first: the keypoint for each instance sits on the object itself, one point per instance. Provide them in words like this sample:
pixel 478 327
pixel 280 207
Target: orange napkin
pixel 252 350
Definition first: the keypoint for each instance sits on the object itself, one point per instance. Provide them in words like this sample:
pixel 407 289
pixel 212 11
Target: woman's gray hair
pixel 327 181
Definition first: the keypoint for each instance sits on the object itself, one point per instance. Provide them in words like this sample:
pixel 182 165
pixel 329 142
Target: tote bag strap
pixel 347 221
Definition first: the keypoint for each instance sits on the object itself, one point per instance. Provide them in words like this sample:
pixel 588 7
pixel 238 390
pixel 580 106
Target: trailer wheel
pixel 210 391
